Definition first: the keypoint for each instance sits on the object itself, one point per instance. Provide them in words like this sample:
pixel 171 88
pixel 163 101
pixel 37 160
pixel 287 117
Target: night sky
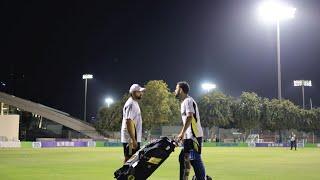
pixel 46 46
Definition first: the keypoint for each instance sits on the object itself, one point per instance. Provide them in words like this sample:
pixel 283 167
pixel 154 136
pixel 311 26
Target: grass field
pixel 100 163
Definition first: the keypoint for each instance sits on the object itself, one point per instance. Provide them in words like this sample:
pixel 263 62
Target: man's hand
pixel 180 137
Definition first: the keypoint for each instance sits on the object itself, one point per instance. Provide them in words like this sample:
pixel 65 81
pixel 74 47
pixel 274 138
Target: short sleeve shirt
pixel 131 110
pixel 190 106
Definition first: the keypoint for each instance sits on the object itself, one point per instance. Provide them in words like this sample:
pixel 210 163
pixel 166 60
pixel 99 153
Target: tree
pixel 158 105
pixel 174 115
pixel 316 119
pixel 215 109
pixel 305 121
pixel 283 115
pixel 266 115
pixel 313 120
pixel 110 118
pixel 247 113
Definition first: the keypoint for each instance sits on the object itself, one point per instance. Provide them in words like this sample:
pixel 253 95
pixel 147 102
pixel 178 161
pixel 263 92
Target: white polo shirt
pixel 194 130
pixel 131 110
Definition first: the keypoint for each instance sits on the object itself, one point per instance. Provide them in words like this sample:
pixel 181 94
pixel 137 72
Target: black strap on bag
pixel 196 145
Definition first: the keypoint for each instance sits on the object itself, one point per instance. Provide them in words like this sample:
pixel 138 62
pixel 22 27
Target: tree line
pixel 246 113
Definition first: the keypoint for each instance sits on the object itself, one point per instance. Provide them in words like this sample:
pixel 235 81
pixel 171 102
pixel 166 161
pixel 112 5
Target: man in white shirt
pixel 191 135
pixel 131 128
pixel 293 141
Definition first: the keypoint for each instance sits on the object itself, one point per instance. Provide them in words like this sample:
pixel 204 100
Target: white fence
pixel 10 144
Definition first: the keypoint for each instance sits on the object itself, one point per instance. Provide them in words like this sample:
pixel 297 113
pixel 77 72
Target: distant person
pixel 131 128
pixel 191 135
pixel 293 141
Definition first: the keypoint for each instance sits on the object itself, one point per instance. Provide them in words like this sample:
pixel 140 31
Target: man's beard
pixel 177 96
pixel 138 97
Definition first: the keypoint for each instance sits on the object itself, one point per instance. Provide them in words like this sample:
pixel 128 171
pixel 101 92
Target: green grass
pixel 100 163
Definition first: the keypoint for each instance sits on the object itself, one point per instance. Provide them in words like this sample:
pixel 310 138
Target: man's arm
pixel 131 130
pixel 185 126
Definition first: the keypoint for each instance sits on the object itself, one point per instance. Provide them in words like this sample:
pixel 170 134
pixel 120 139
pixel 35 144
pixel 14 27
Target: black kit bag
pixel 145 161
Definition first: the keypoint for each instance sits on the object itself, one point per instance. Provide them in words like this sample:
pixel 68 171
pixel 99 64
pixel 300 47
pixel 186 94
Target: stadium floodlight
pixel 208 86
pixel 276 11
pixel 86 77
pixel 302 84
pixel 273 11
pixel 108 101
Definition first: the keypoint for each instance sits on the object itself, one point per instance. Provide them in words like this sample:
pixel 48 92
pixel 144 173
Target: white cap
pixel 136 87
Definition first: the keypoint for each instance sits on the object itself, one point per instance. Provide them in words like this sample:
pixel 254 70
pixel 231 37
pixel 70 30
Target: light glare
pixel 208 86
pixel 109 101
pixel 274 11
pixel 87 76
pixel 302 83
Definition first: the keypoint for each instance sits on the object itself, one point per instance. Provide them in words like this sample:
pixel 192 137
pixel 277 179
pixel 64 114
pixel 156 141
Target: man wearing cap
pixel 131 129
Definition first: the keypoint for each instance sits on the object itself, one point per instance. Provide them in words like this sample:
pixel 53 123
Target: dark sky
pixel 46 46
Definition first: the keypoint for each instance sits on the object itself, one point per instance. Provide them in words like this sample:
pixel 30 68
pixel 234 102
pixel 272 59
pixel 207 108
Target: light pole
pixel 276 11
pixel 302 83
pixel 86 77
pixel 108 101
pixel 208 86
